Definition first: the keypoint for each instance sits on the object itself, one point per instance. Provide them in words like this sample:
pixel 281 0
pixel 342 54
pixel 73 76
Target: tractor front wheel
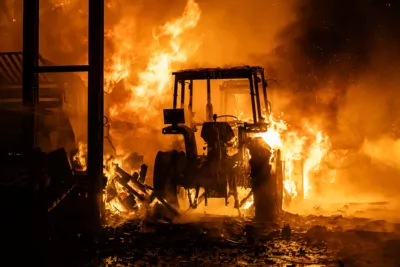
pixel 167 170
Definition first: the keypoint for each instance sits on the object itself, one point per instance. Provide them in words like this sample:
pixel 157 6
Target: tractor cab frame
pixel 218 173
pixel 254 75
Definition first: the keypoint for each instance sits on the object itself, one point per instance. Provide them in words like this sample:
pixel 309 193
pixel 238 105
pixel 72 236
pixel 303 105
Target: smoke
pixel 336 64
pixel 234 32
pixel 338 60
pixel 343 50
pixel 384 150
pixel 10 24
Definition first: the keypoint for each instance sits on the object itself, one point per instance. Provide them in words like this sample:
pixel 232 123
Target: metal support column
pixel 96 104
pixel 95 71
pixel 30 46
pixel 30 97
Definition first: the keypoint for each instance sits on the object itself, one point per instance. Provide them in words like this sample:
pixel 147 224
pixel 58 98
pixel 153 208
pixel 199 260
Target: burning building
pixel 322 133
pixel 143 86
pixel 304 103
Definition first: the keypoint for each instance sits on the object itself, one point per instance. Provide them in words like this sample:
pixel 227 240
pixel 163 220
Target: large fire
pixel 152 83
pixel 148 87
pixel 308 147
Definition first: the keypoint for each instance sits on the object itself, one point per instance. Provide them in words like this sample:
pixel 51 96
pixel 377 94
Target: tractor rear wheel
pixel 264 182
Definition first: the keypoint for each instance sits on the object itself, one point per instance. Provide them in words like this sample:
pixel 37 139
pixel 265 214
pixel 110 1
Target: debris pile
pixel 128 196
pixel 228 241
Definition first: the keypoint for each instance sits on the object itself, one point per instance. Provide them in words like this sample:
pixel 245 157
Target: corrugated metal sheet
pixel 11 81
pixel 11 70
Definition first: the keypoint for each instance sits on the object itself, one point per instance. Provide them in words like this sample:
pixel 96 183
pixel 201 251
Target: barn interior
pixel 262 133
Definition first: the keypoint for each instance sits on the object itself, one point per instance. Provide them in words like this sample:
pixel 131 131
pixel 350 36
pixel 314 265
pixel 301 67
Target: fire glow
pixel 146 93
pixel 169 48
pixel 310 148
pixel 148 87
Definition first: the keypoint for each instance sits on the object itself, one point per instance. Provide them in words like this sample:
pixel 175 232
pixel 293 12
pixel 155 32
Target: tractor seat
pixel 210 131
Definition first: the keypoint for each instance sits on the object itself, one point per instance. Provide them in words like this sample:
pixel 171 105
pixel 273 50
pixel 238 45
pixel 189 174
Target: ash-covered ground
pixel 210 240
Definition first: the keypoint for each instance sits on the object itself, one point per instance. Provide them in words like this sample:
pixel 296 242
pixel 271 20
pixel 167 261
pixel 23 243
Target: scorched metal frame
pixel 95 70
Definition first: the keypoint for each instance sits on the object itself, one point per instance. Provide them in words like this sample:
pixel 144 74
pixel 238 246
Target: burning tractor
pixel 219 173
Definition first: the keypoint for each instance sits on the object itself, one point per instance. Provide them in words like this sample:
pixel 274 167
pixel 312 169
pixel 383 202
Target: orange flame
pixel 295 148
pixel 147 92
pixel 80 157
pixel 153 82
pixel 317 150
pixel 148 87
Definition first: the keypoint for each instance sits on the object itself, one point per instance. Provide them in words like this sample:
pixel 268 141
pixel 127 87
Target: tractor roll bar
pixel 251 73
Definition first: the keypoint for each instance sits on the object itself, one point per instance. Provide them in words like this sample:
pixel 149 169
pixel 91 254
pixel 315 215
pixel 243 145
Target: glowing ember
pixel 248 204
pixel 80 157
pixel 60 4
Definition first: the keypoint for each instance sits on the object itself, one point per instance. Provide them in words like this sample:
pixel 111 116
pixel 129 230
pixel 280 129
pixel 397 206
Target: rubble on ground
pixel 230 241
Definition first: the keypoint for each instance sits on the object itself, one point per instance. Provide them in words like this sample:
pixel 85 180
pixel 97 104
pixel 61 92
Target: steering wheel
pixel 226 116
pixel 234 123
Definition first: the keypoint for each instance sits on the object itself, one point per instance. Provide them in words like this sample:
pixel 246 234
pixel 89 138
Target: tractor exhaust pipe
pixel 190 106
pixel 209 106
pixel 182 94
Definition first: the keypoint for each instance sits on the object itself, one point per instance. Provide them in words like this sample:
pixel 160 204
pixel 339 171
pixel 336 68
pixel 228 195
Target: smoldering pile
pixel 216 240
pixel 128 196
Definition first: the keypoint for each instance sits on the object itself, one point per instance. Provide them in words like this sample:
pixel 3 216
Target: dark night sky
pixel 339 38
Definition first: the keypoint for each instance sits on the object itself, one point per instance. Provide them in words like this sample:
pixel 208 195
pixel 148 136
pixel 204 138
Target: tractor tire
pixel 167 170
pixel 264 184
